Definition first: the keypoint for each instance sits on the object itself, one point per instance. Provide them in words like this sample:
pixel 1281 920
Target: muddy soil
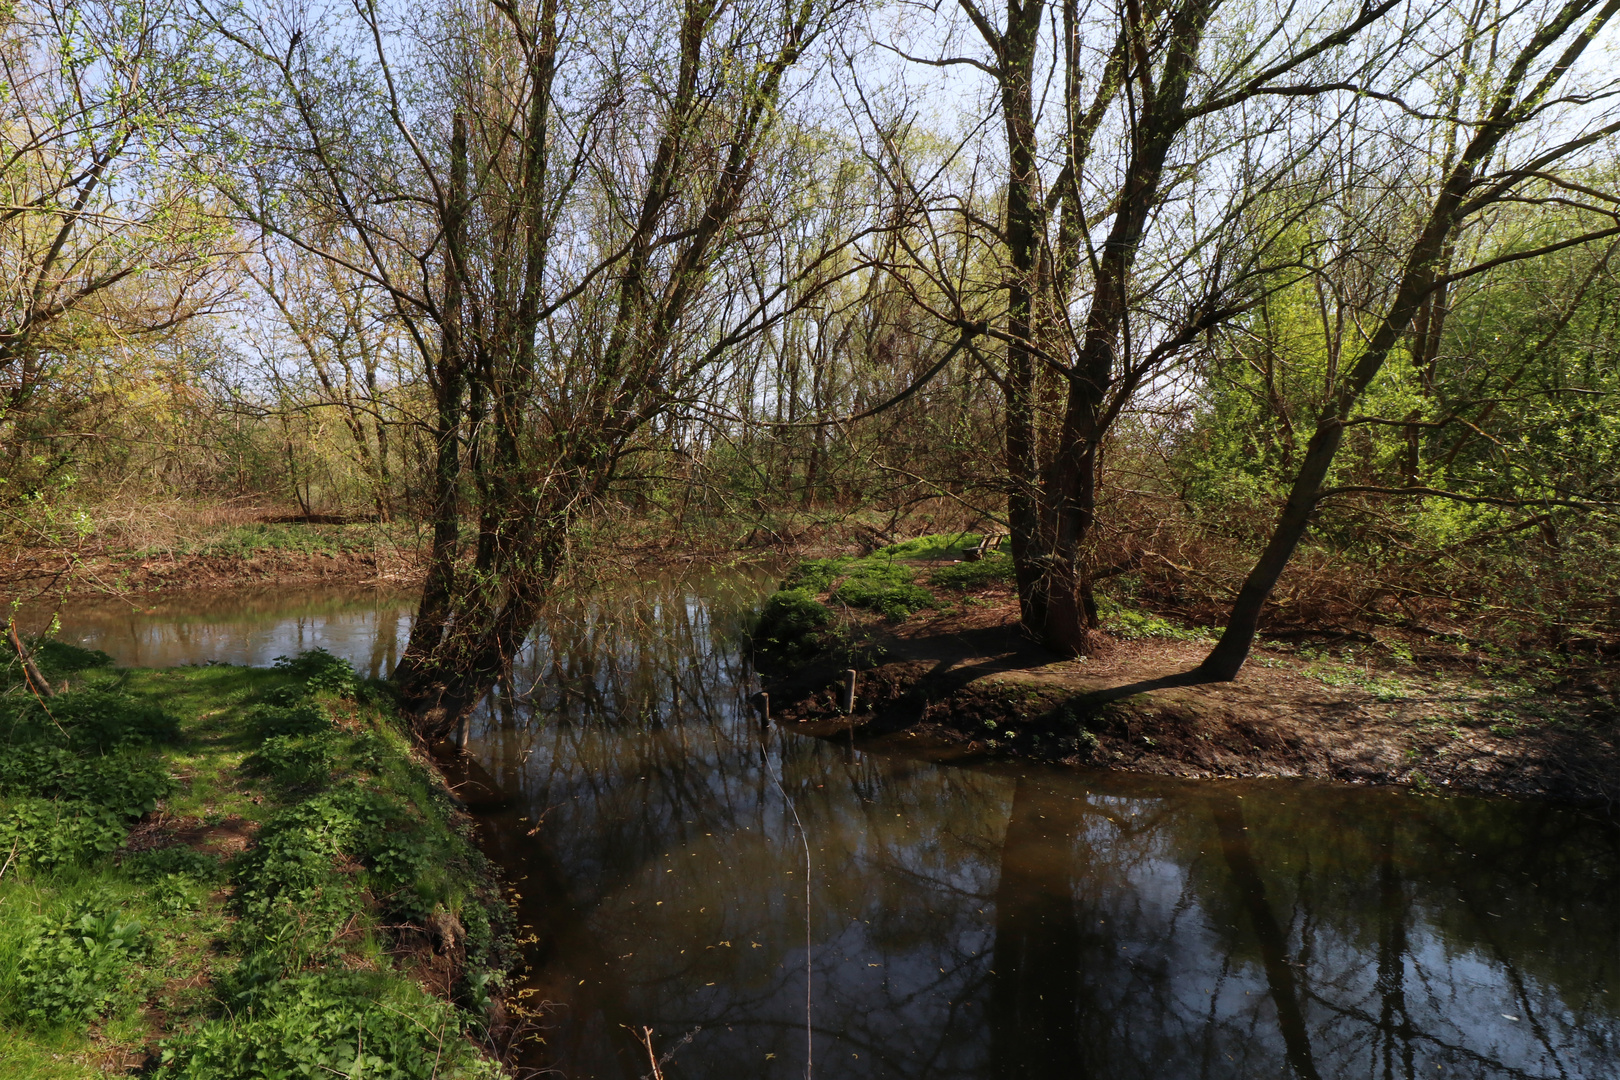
pixel 966 683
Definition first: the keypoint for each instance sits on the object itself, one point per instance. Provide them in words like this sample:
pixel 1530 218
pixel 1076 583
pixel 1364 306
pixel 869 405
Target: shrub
pixel 816 576
pixel 128 781
pixel 295 761
pixel 89 721
pixel 788 620
pixel 177 878
pixel 320 671
pixel 70 970
pixel 1130 624
pixel 936 546
pixel 59 658
pixel 77 775
pixel 178 861
pixel 877 582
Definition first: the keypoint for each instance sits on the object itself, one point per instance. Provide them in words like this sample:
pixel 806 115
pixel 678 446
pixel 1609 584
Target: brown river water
pixel 791 906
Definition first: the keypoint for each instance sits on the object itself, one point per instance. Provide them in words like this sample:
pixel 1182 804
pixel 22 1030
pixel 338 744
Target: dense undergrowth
pixel 223 872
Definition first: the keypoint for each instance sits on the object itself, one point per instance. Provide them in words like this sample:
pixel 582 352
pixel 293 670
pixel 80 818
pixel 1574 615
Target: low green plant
pixel 72 967
pixel 295 761
pixel 887 588
pixel 331 1023
pixel 1132 624
pixel 41 834
pixel 248 541
pixel 816 575
pixel 990 570
pixel 300 718
pixel 321 672
pixel 285 973
pixel 74 775
pixel 935 546
pixel 61 658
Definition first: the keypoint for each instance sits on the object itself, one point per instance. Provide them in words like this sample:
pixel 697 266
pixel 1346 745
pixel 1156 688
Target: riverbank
pixel 943 669
pixel 180 544
pixel 235 872
pixel 251 547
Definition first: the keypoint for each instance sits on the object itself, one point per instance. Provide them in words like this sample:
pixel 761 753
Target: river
pixel 765 901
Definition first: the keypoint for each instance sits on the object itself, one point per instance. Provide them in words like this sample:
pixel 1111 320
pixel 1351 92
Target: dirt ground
pixel 1342 707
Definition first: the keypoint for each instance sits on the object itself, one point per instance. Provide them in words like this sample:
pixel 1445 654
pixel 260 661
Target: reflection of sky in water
pixel 246 627
pixel 998 922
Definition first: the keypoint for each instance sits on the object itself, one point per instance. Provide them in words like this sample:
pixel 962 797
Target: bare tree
pixel 559 201
pixel 1133 139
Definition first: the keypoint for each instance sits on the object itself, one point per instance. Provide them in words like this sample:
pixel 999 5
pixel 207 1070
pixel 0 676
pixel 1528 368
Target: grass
pixel 886 582
pixel 168 950
pixel 249 541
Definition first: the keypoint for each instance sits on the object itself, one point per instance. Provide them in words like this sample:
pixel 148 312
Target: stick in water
pixel 36 681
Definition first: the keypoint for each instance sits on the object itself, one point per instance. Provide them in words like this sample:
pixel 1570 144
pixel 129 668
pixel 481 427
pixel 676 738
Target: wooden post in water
pixel 849 691
pixel 762 704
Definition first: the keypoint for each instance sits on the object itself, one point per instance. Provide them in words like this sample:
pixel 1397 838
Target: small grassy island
pixel 217 872
pixel 931 631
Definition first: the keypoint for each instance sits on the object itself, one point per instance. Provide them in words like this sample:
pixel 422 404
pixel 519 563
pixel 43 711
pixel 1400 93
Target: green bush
pixel 891 600
pixel 178 861
pixel 59 658
pixel 89 721
pixel 936 546
pixel 990 570
pixel 320 671
pixel 877 582
pixel 177 878
pixel 1130 624
pixel 74 778
pixel 788 619
pixel 72 968
pixel 128 781
pixel 883 586
pixel 333 1023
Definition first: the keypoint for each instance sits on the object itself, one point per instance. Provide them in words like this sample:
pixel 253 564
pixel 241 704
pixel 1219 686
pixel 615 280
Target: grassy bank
pixel 228 872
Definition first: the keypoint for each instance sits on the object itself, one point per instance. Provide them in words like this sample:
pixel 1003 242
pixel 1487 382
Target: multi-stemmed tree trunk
pixel 1072 360
pixel 1529 81
pixel 554 225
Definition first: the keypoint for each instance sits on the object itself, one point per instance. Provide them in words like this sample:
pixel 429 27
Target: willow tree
pixel 1132 138
pixel 558 200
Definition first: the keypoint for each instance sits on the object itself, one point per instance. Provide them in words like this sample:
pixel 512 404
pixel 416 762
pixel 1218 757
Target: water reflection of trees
pixel 982 923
